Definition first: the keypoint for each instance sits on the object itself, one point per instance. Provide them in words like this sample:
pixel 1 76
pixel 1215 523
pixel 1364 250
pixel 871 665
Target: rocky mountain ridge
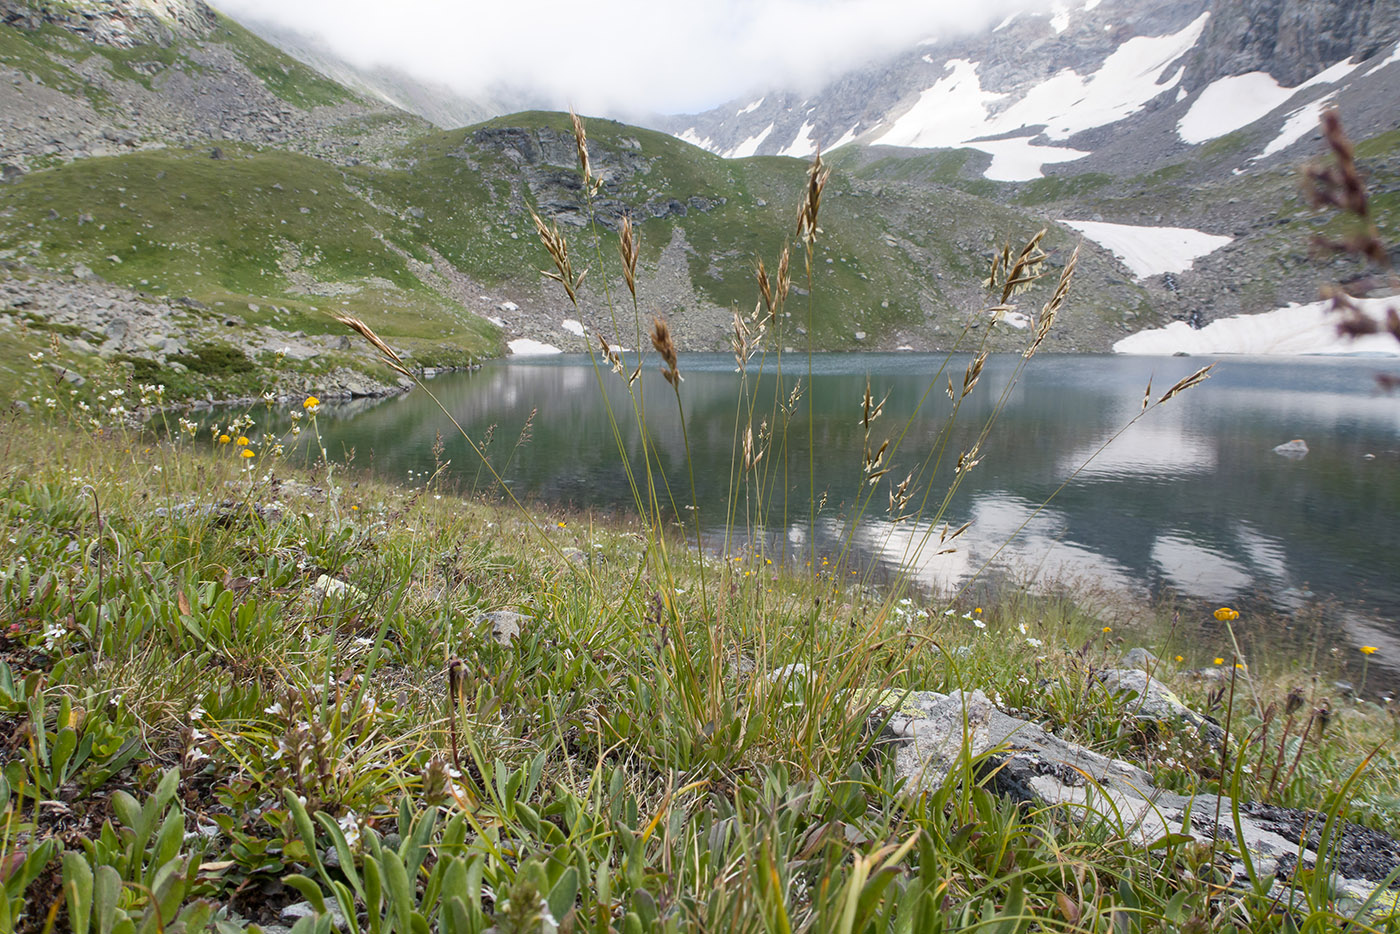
pixel 1076 86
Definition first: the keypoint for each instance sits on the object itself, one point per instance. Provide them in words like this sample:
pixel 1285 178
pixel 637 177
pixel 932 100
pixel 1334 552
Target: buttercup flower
pixel 242 441
pixel 1368 650
pixel 311 404
pixel 223 439
pixel 1225 614
pixel 245 453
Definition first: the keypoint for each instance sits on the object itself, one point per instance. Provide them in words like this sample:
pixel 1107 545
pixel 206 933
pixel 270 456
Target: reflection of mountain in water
pixel 1192 498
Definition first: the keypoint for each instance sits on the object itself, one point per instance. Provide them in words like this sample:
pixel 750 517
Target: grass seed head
pixel 558 249
pixel 817 175
pixel 628 247
pixel 365 331
pixel 663 343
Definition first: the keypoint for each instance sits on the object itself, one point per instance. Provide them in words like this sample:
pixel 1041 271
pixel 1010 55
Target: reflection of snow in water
pixel 1151 449
pixel 1196 570
pixel 1266 555
pixel 1037 550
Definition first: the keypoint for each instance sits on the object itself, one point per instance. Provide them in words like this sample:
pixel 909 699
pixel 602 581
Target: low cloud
pixel 626 56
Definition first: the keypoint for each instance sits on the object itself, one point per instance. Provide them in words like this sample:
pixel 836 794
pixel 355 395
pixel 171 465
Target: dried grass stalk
pixel 973 373
pixel 765 288
pixel 385 351
pixel 628 248
pixel 581 144
pixel 1051 311
pixel 817 175
pixel 558 249
pixel 662 341
pixel 1185 383
pixel 1014 276
pixel 784 275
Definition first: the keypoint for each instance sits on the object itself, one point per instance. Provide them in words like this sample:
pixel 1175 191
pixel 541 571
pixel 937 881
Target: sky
pixel 626 57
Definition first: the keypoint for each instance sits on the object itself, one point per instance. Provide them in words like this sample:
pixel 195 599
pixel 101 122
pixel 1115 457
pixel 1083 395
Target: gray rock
pixel 1297 449
pixel 1140 658
pixel 298 910
pixel 505 625
pixel 932 743
pixel 1146 698
pixel 931 732
pixel 66 375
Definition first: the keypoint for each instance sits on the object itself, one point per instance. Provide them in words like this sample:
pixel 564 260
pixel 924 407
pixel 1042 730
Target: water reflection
pixel 1191 498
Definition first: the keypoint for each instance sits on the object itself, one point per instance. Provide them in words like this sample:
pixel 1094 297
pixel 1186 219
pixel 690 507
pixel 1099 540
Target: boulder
pixel 929 733
pixel 1140 658
pixel 504 625
pixel 1145 698
pixel 1297 449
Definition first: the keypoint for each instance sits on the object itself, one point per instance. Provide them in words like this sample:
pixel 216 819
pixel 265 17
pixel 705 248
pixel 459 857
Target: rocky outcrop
pixel 546 160
pixel 203 93
pixel 930 734
pixel 1292 39
pixel 122 24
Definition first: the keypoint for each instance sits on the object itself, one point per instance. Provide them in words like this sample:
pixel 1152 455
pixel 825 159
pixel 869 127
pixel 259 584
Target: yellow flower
pixel 1225 614
pixel 246 453
pixel 354 508
pixel 978 610
pixel 242 441
pixel 311 403
pixel 1368 650
pixel 1220 661
pixel 1108 629
pixel 1180 659
pixel 223 439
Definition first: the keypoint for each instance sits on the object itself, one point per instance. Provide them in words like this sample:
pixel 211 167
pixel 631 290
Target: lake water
pixel 1190 499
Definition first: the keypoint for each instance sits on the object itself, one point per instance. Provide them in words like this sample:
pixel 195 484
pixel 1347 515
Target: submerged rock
pixel 1297 449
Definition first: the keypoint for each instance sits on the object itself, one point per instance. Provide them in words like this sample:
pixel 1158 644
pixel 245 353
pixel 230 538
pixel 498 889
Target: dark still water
pixel 1192 498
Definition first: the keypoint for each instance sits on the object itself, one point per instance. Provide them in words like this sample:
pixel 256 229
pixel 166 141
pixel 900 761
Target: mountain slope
pixel 1080 87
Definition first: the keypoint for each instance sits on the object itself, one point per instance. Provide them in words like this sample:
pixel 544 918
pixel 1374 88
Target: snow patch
pixel 750 146
pixel 1127 80
pixel 525 347
pixel 1392 59
pixel 1148 251
pixel 957 112
pixel 572 326
pixel 1006 22
pixel 1296 329
pixel 1090 4
pixel 1227 104
pixel 496 321
pixel 751 108
pixel 1060 20
pixel 690 136
pixel 1020 160
pixel 847 137
pixel 1299 124
pixel 802 145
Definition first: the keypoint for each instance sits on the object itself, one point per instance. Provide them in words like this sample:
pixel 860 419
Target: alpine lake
pixel 1191 500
